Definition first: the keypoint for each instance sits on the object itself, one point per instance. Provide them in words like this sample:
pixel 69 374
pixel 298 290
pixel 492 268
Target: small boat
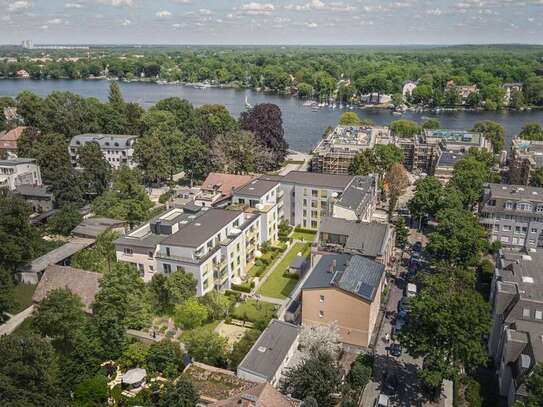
pixel 395 113
pixel 247 104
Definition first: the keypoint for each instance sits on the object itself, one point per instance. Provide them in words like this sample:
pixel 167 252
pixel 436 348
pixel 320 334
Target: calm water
pixel 303 127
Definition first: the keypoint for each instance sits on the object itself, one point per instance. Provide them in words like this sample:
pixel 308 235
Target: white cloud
pixel 44 27
pixel 205 11
pixel 311 25
pixel 254 6
pixel 73 5
pixel 163 14
pixel 320 5
pixel 181 1
pixel 55 21
pixel 19 5
pixel 126 22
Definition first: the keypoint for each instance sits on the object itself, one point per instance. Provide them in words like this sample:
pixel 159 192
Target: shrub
pixel 241 287
pixel 233 294
pixel 165 197
pixel 472 392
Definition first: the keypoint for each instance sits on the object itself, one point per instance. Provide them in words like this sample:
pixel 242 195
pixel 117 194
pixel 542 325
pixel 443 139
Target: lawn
pixel 304 236
pixel 252 310
pixel 277 285
pixel 23 297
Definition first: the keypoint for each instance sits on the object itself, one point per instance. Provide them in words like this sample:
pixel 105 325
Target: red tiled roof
pixel 261 395
pixel 225 183
pixel 8 140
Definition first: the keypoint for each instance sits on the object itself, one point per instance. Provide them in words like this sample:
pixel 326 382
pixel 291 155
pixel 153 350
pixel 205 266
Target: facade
pixel 445 165
pixel 408 88
pixel 464 91
pixel 372 240
pixel 118 149
pixel 335 152
pixel 516 338
pixel 39 197
pixel 19 171
pixel 510 88
pixel 270 354
pixel 265 198
pixel 8 141
pixel 215 245
pixel 344 290
pixel 309 196
pixel 526 157
pixel 513 215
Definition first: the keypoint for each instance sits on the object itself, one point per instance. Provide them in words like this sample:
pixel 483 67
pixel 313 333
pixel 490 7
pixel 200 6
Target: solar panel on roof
pixel 365 290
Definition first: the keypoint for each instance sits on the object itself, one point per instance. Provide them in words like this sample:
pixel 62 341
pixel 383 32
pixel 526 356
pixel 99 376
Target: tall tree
pixel 99 258
pixel 206 346
pixel 115 97
pixel 494 132
pixel 96 170
pixel 235 152
pixel 532 131
pixel 195 159
pixel 65 220
pixel 180 108
pixel 349 119
pixel 165 357
pixel 209 121
pixel 265 121
pixel 426 201
pixel 469 176
pixel 180 286
pixel 396 182
pixel 404 128
pixel 180 394
pixel 7 298
pixel 364 163
pixel 190 314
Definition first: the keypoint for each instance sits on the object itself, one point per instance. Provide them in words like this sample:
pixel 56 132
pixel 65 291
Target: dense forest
pixel 321 73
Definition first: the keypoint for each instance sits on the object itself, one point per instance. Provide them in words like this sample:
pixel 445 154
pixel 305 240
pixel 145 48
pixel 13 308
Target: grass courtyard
pixel 279 285
pixel 252 310
pixel 23 297
pixel 304 236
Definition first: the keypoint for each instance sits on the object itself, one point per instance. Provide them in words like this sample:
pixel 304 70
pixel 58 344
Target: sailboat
pixel 247 104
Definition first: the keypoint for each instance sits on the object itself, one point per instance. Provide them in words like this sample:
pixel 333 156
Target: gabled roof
pixel 83 283
pixel 356 275
pixel 225 183
pixel 9 138
pixel 93 227
pixel 269 351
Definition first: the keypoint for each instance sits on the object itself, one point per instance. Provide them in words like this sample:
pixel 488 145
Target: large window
pixel 167 268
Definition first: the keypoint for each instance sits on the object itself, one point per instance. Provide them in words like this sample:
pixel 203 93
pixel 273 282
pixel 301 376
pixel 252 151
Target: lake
pixel 303 126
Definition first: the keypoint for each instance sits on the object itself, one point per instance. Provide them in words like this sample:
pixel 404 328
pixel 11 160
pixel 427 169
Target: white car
pixel 382 401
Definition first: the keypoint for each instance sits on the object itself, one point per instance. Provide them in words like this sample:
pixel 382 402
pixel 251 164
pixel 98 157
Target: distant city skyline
pixel 288 22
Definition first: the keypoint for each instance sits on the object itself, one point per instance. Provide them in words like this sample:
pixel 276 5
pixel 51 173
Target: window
pixel 526 313
pixel 504 239
pixel 322 299
pixel 128 251
pixel 506 228
pixel 151 268
pixel 179 268
pixel 305 212
pixel 509 205
pixel 150 254
pixel 526 207
pixel 241 200
pixel 539 314
pixel 167 268
pixel 539 208
pixel 314 193
pixel 168 251
pixel 305 202
pixel 534 230
pixel 314 224
pixel 321 314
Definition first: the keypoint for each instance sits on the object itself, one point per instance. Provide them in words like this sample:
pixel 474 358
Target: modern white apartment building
pixel 215 245
pixel 19 171
pixel 308 197
pixel 117 148
pixel 265 198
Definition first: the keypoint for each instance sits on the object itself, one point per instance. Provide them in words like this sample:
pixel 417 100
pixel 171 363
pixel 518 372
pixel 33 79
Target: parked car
pixel 410 290
pixel 396 350
pixel 382 401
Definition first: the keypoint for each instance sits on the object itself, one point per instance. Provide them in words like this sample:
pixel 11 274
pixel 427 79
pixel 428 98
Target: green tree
pixel 96 170
pixel 165 357
pixel 206 346
pixel 29 372
pixel 209 121
pixel 364 163
pixel 217 304
pixel 404 128
pixel 115 97
pixel 180 108
pixel 349 119
pixel 469 177
pixel 361 371
pixel 190 314
pixel 195 159
pixel 494 132
pixel 7 299
pixel 536 180
pixel 59 316
pixel 431 124
pixel 127 200
pixel 534 384
pixel 386 155
pixel 396 181
pixel 65 220
pixel 235 152
pixel 317 376
pixel 532 131
pixel 135 355
pixel 458 238
pixel 92 392
pixel 180 394
pixel 426 201
pixel 305 90
pixel 181 286
pixel 447 322
pixel 99 258
pixel 160 294
pixel 151 156
pixel 402 233
pixel 17 236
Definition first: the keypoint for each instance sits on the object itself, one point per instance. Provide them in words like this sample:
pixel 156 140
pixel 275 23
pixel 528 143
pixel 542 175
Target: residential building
pixel 335 152
pixel 408 88
pixel 516 338
pixel 19 171
pixel 39 197
pixel 526 157
pixel 216 246
pixel 464 91
pixel 445 165
pixel 260 395
pixel 118 149
pixel 513 215
pixel 372 240
pixel 344 290
pixel 265 198
pixel 511 88
pixel 84 284
pixel 268 357
pixel 8 141
pixel 217 189
pixel 21 73
pixel 91 228
pixel 310 196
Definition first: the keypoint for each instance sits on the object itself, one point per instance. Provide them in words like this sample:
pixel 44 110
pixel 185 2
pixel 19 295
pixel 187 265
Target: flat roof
pixel 16 161
pixel 270 349
pixel 524 270
pixel 202 228
pixel 256 188
pixel 317 179
pixel 57 255
pixel 516 192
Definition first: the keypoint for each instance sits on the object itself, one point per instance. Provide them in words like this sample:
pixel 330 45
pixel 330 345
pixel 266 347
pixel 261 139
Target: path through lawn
pixel 277 285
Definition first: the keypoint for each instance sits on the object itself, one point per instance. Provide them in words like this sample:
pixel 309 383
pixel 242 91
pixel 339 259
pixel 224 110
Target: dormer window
pixel 525 207
pixel 509 205
pixel 526 313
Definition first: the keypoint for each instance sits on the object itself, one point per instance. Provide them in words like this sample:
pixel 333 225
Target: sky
pixel 288 22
